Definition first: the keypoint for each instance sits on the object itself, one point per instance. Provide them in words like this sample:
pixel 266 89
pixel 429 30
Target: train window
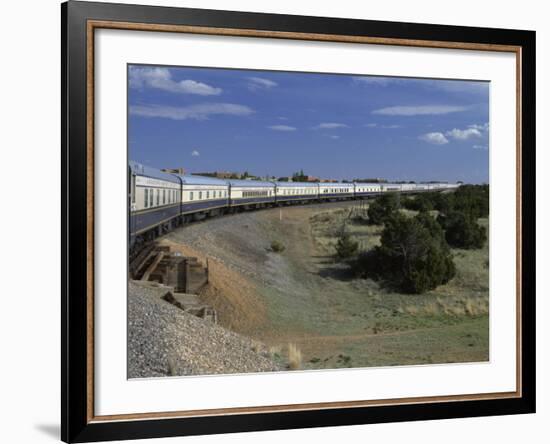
pixel 200 195
pixel 146 195
pixel 190 195
pixel 163 197
pixel 151 197
pixel 208 194
pixel 158 197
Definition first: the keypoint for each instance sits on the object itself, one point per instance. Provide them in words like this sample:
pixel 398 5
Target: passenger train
pixel 160 201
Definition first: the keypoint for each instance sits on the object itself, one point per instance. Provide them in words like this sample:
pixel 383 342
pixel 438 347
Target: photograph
pixel 283 221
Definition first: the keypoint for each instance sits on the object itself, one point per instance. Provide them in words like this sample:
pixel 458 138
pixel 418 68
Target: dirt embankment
pixel 230 293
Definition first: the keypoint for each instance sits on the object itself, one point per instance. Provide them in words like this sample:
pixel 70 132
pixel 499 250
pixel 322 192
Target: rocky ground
pixel 163 340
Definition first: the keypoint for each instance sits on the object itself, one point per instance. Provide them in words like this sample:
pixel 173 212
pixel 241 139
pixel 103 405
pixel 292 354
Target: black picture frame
pixel 76 329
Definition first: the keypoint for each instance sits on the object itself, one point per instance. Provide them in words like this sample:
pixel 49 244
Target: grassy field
pixel 339 321
pixel 313 314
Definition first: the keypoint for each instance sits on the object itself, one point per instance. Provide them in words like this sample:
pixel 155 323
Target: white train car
pixel 250 193
pixel 336 190
pixel 153 199
pixel 202 195
pixel 391 187
pixel 408 187
pixel 296 191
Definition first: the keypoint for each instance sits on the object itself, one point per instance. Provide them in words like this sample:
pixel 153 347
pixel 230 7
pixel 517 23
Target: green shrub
pixel 462 230
pixel 413 256
pixel 472 201
pixel 421 202
pixel 345 246
pixel 382 208
pixel 277 247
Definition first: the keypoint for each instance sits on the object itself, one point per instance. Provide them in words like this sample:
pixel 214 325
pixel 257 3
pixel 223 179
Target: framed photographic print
pixel 276 221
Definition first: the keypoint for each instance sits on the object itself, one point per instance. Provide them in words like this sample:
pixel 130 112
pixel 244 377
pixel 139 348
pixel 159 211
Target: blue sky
pixel 331 126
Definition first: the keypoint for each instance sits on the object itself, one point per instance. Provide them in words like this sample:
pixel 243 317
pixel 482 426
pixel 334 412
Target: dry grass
pixel 464 306
pixel 172 368
pixel 257 346
pixel 412 310
pixel 294 357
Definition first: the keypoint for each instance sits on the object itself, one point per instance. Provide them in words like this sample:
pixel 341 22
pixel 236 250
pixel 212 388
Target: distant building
pixel 180 171
pixel 371 180
pixel 311 179
pixel 219 174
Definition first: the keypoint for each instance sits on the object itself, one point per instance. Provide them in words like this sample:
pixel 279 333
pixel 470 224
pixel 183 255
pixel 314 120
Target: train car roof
pixel 336 184
pixel 296 184
pixel 154 173
pixel 368 184
pixel 191 179
pixel 250 183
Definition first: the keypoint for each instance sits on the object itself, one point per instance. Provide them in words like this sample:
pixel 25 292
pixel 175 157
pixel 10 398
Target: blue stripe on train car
pixel 148 219
pixel 251 200
pixel 299 197
pixel 331 195
pixel 192 207
pixel 367 193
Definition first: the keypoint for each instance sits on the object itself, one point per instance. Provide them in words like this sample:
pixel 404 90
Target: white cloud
pixel 434 138
pixel 421 110
pixel 483 127
pixel 376 125
pixel 480 147
pixel 195 153
pixel 331 125
pixel 200 111
pixel 334 137
pixel 256 83
pixel 161 78
pixel 465 134
pixel 282 128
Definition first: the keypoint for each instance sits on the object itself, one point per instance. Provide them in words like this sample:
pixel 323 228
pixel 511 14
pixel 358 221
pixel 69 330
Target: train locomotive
pixel 159 201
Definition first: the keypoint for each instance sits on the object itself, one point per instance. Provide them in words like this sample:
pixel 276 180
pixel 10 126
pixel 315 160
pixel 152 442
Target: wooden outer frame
pixel 79 20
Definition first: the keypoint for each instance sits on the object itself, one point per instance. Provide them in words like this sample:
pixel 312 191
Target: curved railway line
pixel 159 201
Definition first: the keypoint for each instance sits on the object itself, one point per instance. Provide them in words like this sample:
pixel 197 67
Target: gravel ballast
pixel 163 340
